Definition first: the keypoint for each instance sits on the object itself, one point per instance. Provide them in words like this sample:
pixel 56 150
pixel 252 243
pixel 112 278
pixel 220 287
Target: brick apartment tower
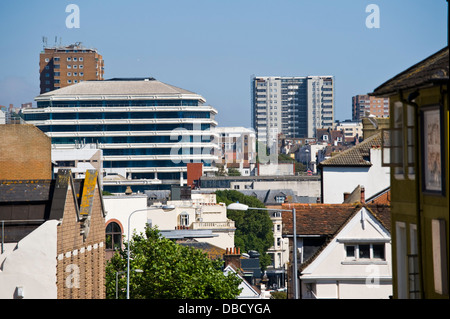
pixel 363 105
pixel 65 65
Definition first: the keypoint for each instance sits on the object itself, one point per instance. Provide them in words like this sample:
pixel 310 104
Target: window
pixel 113 236
pixel 350 250
pixel 81 59
pixel 184 219
pixel 69 66
pixel 69 73
pixel 57 59
pixel 439 246
pixel 398 142
pixel 280 199
pixel 413 264
pixel 81 66
pixel 365 252
pixel 74 59
pixel 432 155
pixel 378 251
pixel 69 59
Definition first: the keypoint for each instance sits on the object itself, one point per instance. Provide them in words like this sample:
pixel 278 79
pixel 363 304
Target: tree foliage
pixel 170 271
pixel 254 228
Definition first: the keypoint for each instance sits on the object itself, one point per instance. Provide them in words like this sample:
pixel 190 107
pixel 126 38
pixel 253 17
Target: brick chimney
pixel 232 256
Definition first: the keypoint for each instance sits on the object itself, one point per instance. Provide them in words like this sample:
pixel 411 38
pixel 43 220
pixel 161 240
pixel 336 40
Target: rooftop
pixel 357 155
pixel 121 88
pixel 433 69
pixel 328 219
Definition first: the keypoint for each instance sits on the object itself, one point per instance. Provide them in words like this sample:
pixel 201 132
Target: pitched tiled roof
pixel 358 155
pixel 431 70
pixel 382 213
pixel 212 251
pixel 328 219
pixel 317 219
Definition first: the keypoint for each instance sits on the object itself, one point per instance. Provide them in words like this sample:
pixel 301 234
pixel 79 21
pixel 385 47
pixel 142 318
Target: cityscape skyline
pixel 214 49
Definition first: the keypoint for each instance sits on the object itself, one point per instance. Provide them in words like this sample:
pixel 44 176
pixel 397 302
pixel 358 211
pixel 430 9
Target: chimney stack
pixel 232 256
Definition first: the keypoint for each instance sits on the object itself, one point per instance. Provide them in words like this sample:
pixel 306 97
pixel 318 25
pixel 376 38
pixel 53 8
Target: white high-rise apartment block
pixel 294 106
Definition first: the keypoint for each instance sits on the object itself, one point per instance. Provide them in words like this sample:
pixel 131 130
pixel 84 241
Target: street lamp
pixel 243 207
pixel 117 279
pixel 164 207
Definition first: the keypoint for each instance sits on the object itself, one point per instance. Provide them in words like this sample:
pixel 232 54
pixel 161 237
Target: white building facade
pixel 359 165
pixel 356 264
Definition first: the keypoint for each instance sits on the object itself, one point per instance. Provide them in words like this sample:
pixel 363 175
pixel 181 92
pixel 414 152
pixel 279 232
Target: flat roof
pixel 119 88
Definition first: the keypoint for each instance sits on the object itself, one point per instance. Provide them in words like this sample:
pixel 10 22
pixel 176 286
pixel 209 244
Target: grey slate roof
pixel 267 196
pixel 358 155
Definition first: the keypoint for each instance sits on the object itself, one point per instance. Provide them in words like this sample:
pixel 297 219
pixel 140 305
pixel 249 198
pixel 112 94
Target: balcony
pixel 229 224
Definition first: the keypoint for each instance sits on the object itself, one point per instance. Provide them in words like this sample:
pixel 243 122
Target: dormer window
pixel 280 199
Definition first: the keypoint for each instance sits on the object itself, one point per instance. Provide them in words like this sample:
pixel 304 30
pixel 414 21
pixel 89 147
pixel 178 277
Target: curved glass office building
pixel 147 130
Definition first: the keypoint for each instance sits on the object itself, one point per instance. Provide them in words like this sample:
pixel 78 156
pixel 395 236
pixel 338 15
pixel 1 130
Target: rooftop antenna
pixel 44 42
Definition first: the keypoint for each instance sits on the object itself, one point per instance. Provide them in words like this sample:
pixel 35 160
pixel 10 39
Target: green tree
pixel 170 271
pixel 233 172
pixel 254 228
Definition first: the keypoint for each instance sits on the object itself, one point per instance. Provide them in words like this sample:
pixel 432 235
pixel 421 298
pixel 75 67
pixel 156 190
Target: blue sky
pixel 214 47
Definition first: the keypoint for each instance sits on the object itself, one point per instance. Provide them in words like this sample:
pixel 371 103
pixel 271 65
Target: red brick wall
pixel 194 172
pixel 25 153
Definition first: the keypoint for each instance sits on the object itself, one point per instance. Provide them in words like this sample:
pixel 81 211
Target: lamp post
pixel 164 207
pixel 243 207
pixel 117 280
